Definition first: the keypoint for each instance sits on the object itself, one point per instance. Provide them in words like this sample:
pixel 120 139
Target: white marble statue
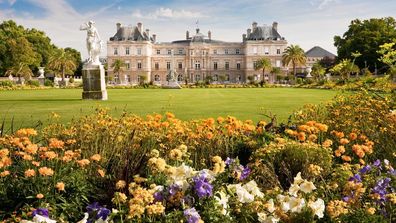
pixel 94 43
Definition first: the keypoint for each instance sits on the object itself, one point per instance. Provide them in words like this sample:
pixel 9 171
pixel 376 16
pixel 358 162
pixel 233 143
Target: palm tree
pixel 295 55
pixel 263 64
pixel 276 71
pixel 117 66
pixel 62 62
pixel 20 70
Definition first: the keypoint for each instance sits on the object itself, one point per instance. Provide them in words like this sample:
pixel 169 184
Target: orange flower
pixel 39 196
pixel 352 136
pixel 312 137
pixel 30 173
pixel 35 163
pixel 344 141
pixel 4 173
pixel 322 127
pixel 96 157
pixel 209 135
pixel 60 186
pixel 27 157
pixel 169 115
pixel 120 184
pixel 301 136
pixel 82 162
pixel 346 158
pixel 220 120
pixel 45 171
pixel 101 172
pixel 5 161
pixel 32 149
pixel 55 143
pixel 50 155
pixel 4 152
pixel 26 132
pixel 327 143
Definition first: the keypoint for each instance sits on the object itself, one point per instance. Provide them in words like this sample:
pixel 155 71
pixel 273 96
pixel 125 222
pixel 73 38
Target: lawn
pixel 29 107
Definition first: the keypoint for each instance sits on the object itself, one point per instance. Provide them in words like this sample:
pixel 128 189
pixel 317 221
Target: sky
pixel 306 23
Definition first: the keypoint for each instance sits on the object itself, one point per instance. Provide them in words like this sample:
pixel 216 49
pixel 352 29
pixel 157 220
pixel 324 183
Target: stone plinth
pixel 94 85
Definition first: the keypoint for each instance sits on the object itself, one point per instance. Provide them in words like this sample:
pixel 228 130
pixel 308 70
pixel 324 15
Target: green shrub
pixel 32 83
pixel 71 80
pixel 6 83
pixel 49 83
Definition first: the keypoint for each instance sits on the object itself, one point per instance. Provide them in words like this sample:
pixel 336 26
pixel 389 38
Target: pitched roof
pixel 130 33
pixel 318 51
pixel 263 33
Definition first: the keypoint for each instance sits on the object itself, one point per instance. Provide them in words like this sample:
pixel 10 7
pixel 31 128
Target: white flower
pixel 222 200
pixel 42 219
pixel 252 187
pixel 270 206
pixel 84 220
pixel 284 200
pixel 293 190
pixel 317 207
pixel 263 218
pixel 298 179
pixel 243 195
pixel 307 187
pixel 296 204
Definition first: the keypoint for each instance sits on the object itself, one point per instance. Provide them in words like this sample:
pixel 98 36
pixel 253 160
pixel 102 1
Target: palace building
pixel 196 58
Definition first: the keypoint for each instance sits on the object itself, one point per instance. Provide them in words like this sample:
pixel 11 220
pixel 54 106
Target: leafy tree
pixel 295 55
pixel 77 60
pixel 118 66
pixel 276 71
pixel 365 37
pixel 345 68
pixel 388 57
pixel 62 62
pixel 327 62
pixel 263 64
pixel 318 71
pixel 20 70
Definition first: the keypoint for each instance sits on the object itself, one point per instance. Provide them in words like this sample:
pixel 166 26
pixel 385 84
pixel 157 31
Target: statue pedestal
pixel 94 85
pixel 172 85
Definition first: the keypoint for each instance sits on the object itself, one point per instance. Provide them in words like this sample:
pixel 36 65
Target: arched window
pixel 197 77
pixel 157 77
pixel 179 77
pixel 227 77
pixel 215 77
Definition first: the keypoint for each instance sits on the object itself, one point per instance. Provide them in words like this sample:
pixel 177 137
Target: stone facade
pixel 195 58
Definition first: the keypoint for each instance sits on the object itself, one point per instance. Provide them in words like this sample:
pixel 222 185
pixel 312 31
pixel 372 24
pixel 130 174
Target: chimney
pixel 154 38
pixel 187 35
pixel 139 25
pixel 210 35
pixel 118 26
pixel 275 26
pixel 254 26
pixel 148 33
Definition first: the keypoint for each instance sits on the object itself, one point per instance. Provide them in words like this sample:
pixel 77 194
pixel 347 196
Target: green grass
pixel 28 107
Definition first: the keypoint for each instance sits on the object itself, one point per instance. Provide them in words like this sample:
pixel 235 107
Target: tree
pixel 62 62
pixel 295 55
pixel 276 71
pixel 365 37
pixel 318 71
pixel 20 70
pixel 77 60
pixel 263 64
pixel 118 66
pixel 345 68
pixel 388 57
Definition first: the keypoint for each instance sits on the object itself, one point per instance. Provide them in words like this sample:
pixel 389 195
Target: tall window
pixel 197 77
pixel 169 52
pixel 158 52
pixel 214 51
pixel 180 65
pixel 215 77
pixel 226 51
pixel 127 51
pixel 168 65
pixel 128 65
pixel 237 51
pixel 179 77
pixel 139 51
pixel 180 51
pixel 156 65
pixel 227 65
pixel 197 65
pixel 278 63
pixel 254 64
pixel 227 77
pixel 115 51
pixel 157 77
pixel 266 50
pixel 238 66
pixel 139 65
pixel 278 50
pixel 214 65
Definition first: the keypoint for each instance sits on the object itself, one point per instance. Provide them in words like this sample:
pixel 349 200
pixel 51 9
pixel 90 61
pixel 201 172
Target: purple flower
pixel 356 178
pixel 381 187
pixel 377 163
pixel 41 211
pixel 245 173
pixel 365 169
pixel 192 215
pixel 93 207
pixel 103 213
pixel 202 186
pixel 346 199
pixel 158 196
pixel 229 161
pixel 392 171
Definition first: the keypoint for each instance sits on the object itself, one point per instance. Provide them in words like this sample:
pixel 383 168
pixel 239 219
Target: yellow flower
pixel 45 171
pixel 55 143
pixel 157 164
pixel 175 154
pixel 119 198
pixel 370 211
pixel 82 162
pixel 30 173
pixel 4 152
pixel 155 209
pixel 154 153
pixel 39 196
pixel 60 186
pixel 96 157
pixel 120 184
pixel 4 173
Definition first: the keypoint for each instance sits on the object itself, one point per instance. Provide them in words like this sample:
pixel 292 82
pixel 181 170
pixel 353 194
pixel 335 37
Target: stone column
pixel 94 86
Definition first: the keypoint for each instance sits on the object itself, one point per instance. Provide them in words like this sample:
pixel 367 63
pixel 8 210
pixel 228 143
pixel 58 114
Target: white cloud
pixel 168 13
pixel 321 4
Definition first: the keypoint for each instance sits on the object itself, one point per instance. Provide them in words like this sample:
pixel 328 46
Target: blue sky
pixel 307 23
